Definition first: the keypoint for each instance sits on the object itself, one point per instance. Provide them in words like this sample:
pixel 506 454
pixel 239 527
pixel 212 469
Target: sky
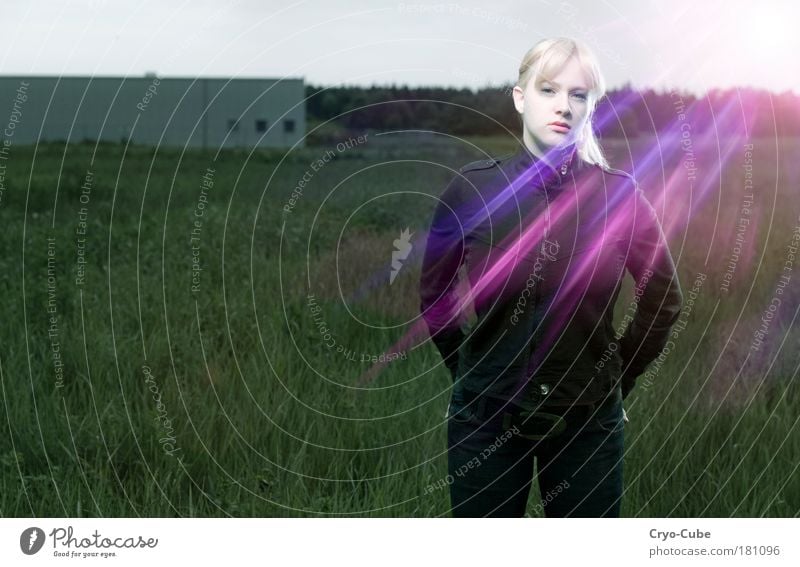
pixel 688 45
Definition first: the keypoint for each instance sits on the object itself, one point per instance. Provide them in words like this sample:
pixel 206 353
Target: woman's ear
pixel 519 98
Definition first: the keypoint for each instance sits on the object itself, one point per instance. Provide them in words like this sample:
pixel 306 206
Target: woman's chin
pixel 556 140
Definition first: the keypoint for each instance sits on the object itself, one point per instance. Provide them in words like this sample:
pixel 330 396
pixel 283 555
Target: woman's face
pixel 555 110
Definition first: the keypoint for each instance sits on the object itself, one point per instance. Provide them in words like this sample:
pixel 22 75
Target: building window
pixel 261 126
pixel 233 125
pixel 288 126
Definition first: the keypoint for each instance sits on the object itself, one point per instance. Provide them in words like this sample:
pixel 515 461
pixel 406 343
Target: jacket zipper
pixel 537 295
pixel 536 298
pixel 529 371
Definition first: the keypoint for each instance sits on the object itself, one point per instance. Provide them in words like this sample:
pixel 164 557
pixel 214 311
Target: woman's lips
pixel 559 127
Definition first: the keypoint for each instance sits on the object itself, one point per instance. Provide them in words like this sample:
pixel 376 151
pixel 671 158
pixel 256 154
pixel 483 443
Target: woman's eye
pixel 580 96
pixel 547 90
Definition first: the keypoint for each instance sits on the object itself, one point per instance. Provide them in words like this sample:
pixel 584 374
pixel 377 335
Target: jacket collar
pixel 567 159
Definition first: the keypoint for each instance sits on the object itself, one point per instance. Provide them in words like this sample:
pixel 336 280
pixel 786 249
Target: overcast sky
pixel 691 45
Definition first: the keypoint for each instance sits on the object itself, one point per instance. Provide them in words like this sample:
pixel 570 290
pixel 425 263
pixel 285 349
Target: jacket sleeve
pixel 444 254
pixel 657 286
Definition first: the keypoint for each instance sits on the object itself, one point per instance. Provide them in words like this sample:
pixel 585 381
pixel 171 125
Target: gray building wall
pixel 151 110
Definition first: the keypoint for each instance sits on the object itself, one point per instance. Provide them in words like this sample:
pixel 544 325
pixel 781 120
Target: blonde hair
pixel 544 60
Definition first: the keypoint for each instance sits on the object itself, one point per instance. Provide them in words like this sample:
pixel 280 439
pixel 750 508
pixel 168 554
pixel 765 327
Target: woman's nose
pixel 563 106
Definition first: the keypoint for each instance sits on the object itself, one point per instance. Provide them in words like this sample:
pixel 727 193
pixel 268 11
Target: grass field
pixel 135 384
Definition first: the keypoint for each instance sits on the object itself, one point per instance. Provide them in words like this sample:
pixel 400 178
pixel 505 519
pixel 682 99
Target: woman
pixel 546 235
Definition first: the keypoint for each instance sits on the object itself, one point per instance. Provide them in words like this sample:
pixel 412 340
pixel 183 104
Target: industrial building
pixel 153 110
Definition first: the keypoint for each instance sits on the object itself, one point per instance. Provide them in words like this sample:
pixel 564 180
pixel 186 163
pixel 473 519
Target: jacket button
pixel 544 389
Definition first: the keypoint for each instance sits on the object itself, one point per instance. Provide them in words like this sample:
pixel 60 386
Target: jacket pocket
pixel 462 409
pixel 608 417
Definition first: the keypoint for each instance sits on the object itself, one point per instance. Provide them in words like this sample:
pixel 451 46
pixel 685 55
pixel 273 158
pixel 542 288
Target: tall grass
pixel 265 417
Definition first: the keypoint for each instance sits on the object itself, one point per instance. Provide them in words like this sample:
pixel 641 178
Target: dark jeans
pixel 490 461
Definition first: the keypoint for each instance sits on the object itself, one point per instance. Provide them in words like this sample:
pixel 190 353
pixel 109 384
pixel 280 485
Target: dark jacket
pixel 545 252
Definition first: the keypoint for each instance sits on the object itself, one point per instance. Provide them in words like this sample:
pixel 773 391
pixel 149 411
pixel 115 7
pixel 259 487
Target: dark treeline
pixel 623 112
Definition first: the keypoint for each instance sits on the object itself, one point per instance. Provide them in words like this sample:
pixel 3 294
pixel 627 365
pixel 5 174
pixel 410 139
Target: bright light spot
pixel 770 31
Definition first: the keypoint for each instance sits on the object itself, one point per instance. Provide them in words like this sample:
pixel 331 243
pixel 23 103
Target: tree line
pixel 623 112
